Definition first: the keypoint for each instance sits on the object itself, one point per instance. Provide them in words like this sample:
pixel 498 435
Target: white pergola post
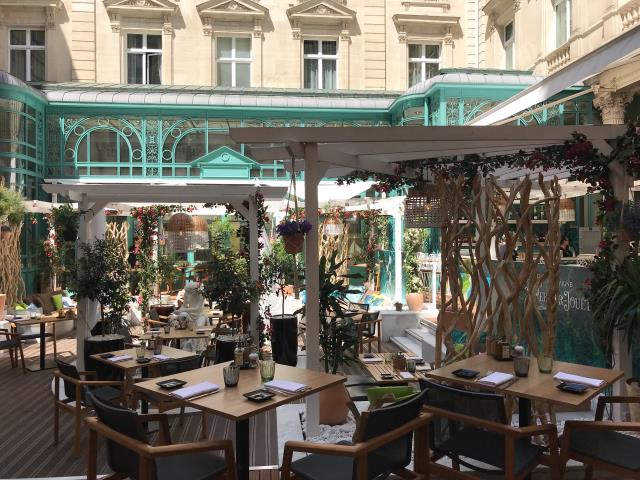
pixel 397 254
pixel 254 259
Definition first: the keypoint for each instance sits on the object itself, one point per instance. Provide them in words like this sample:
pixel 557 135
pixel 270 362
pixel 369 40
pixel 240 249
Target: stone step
pixel 407 344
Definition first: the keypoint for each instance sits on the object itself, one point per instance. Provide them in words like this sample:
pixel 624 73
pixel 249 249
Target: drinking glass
pixel 167 329
pixel 411 366
pixel 141 350
pixel 521 366
pixel 545 363
pixel 267 370
pixel 231 374
pixel 157 346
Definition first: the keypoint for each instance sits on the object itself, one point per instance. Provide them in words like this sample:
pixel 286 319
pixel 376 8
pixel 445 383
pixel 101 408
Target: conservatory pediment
pixel 155 9
pixel 232 11
pixel 224 162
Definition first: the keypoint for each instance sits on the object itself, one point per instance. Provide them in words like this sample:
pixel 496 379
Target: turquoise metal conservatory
pixel 156 133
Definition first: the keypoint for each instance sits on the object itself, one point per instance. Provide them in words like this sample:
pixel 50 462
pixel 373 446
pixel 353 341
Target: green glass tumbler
pixel 267 370
pixel 545 363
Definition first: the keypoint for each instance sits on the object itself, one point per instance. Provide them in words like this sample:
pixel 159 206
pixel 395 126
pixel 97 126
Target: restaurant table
pixel 230 402
pixel 130 366
pixel 537 386
pixel 43 364
pixel 376 370
pixel 177 335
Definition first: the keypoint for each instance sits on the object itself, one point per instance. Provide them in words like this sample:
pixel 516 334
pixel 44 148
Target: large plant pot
pixel 3 299
pixel 102 344
pixel 284 339
pixel 333 405
pixel 293 242
pixel 415 301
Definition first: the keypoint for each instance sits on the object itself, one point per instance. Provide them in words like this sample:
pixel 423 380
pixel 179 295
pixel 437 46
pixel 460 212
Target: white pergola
pixel 330 152
pixel 92 199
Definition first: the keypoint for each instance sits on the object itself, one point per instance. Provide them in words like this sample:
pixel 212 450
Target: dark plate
pixel 106 355
pixel 386 376
pixel 465 373
pixel 143 360
pixel 259 395
pixel 171 383
pixel 570 387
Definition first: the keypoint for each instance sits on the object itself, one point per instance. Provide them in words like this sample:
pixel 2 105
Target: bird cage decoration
pixel 186 233
pixel 423 207
pixel 567 210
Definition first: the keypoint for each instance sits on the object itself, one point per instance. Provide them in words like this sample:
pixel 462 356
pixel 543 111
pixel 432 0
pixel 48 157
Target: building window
pixel 234 61
pixel 26 54
pixel 509 46
pixel 144 58
pixel 424 62
pixel 320 64
pixel 562 10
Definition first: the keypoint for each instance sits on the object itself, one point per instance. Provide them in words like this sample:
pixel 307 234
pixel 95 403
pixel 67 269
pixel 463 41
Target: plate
pixel 143 360
pixel 386 376
pixel 570 387
pixel 259 395
pixel 465 373
pixel 171 383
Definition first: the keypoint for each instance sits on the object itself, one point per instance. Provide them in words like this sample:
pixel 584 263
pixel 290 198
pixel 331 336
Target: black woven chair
pixel 358 307
pixel 472 429
pixel 383 444
pixel 130 455
pixel 602 445
pixel 75 402
pixel 13 342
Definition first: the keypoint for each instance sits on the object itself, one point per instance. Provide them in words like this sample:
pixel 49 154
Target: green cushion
pixel 20 306
pixel 57 301
pixel 376 393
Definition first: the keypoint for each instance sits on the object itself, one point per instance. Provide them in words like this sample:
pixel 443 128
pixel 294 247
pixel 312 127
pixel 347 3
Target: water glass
pixel 157 346
pixel 267 370
pixel 167 329
pixel 521 366
pixel 411 366
pixel 545 363
pixel 231 374
pixel 141 350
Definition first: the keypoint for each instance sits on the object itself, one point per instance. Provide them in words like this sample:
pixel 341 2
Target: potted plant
pixel 338 335
pixel 11 206
pixel 278 272
pixel 413 241
pixel 65 220
pixel 166 270
pixel 102 275
pixel 292 233
pixel 398 306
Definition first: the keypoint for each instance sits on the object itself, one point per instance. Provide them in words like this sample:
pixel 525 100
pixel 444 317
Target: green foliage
pixel 228 283
pixel 615 302
pixel 65 220
pixel 11 206
pixel 338 335
pixel 414 239
pixel 221 234
pixel 103 275
pixel 166 270
pixel 278 268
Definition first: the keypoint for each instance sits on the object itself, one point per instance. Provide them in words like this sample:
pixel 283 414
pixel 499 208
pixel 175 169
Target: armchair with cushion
pixel 473 430
pixel 75 402
pixel 130 455
pixel 13 342
pixel 383 444
pixel 602 445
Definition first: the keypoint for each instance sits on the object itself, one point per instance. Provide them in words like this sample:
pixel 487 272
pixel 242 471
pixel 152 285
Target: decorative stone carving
pixel 516 5
pixel 611 105
pixel 50 21
pixel 139 3
pixel 257 28
pixel 345 35
pixel 630 14
pixel 402 36
pixel 167 25
pixel 207 26
pixel 248 14
pixel 115 22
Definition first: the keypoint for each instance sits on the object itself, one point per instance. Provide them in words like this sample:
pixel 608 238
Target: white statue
pixel 191 314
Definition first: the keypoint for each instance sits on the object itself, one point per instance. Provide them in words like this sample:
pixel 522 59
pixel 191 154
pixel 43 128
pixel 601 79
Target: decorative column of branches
pixel 11 281
pixel 117 232
pixel 333 236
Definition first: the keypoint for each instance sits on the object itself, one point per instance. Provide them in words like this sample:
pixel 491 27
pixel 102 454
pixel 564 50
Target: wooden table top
pixel 36 321
pixel 229 402
pixel 377 369
pixel 173 353
pixel 537 386
pixel 176 334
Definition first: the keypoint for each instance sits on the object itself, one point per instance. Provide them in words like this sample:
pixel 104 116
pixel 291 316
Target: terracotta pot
pixel 3 299
pixel 293 242
pixel 333 405
pixel 415 301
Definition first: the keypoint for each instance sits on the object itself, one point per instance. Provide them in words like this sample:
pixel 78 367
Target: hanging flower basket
pixel 423 207
pixel 292 233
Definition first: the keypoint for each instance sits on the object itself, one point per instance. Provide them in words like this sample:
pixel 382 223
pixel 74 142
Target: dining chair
pixel 75 402
pixel 130 455
pixel 603 445
pixel 30 335
pixel 358 307
pixel 472 429
pixel 369 330
pixel 167 368
pixel 382 445
pixel 13 343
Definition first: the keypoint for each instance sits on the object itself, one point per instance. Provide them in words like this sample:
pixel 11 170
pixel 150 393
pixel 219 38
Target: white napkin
pixel 195 390
pixel 203 330
pixel 415 358
pixel 406 375
pixel 423 368
pixel 120 358
pixel 496 378
pixel 160 356
pixel 372 360
pixel 285 386
pixel 568 377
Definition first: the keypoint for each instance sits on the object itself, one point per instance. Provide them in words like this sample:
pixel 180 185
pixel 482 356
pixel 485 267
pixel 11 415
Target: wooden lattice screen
pixel 118 233
pixel 484 292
